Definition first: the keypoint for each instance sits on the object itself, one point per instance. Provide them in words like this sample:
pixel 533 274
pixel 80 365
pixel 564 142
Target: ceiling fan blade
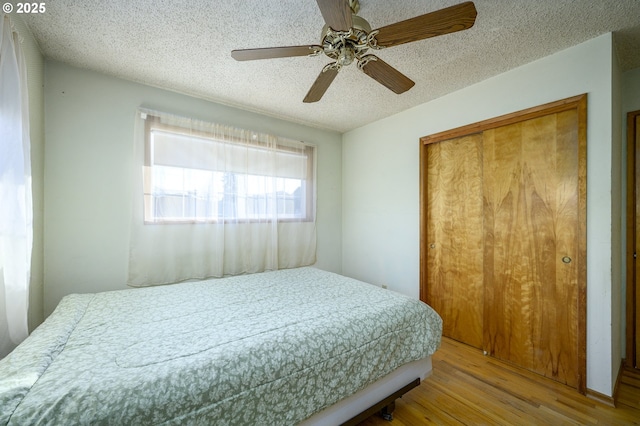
pixel 444 21
pixel 385 74
pixel 321 84
pixel 336 14
pixel 274 52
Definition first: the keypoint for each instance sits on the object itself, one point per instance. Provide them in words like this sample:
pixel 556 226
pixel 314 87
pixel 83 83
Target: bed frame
pixel 379 397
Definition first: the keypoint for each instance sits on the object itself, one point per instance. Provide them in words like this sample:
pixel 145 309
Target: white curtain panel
pixel 16 217
pixel 212 200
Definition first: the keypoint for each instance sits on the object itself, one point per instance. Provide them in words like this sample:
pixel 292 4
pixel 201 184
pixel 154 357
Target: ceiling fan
pixel 347 37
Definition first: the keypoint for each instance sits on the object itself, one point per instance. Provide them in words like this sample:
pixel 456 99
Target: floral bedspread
pixel 262 349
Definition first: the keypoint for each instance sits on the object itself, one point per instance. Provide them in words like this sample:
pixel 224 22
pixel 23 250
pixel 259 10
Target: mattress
pixel 270 348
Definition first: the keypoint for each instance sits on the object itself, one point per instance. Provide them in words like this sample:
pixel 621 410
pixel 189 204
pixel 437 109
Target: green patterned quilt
pixel 262 349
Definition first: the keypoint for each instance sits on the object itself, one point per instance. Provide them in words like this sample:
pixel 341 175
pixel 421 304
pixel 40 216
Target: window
pixel 225 201
pixel 16 203
pixel 196 175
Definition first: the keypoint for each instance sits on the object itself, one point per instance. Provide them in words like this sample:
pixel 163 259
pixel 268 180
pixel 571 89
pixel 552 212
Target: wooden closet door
pixel 503 236
pixel 635 307
pixel 530 187
pixel 454 236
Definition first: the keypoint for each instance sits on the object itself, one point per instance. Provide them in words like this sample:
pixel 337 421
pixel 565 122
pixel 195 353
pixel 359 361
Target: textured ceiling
pixel 185 46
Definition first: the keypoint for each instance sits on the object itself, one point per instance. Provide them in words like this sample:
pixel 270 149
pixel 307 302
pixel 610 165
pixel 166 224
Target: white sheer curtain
pixel 211 200
pixel 16 225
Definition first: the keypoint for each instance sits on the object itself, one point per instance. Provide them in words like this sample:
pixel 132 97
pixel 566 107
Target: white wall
pixel 89 148
pixel 630 92
pixel 618 218
pixel 35 81
pixel 381 188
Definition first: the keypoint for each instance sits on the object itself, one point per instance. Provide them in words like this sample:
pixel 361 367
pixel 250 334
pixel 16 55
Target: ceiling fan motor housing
pixel 345 46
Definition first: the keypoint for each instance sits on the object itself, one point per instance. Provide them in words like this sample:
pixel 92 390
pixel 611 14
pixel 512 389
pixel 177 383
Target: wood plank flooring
pixel 468 388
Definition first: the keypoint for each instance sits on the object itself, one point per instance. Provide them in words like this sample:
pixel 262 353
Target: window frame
pixel 153 122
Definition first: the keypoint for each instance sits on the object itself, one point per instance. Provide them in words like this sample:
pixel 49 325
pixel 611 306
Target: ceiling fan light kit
pixel 347 37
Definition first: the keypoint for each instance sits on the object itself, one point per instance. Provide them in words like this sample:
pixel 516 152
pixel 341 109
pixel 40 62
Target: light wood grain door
pixel 455 235
pixel 530 176
pixel 503 237
pixel 636 137
pixel 632 358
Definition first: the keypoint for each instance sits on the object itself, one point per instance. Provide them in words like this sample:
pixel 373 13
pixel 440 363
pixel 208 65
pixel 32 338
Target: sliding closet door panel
pixel 454 236
pixel 636 311
pixel 557 280
pixel 506 246
pixel 531 226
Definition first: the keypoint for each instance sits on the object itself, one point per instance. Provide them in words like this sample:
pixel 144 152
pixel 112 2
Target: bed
pixel 284 347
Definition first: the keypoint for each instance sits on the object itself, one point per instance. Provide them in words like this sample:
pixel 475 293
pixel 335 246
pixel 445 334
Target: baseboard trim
pixel 605 399
pixel 618 380
pixel 600 397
